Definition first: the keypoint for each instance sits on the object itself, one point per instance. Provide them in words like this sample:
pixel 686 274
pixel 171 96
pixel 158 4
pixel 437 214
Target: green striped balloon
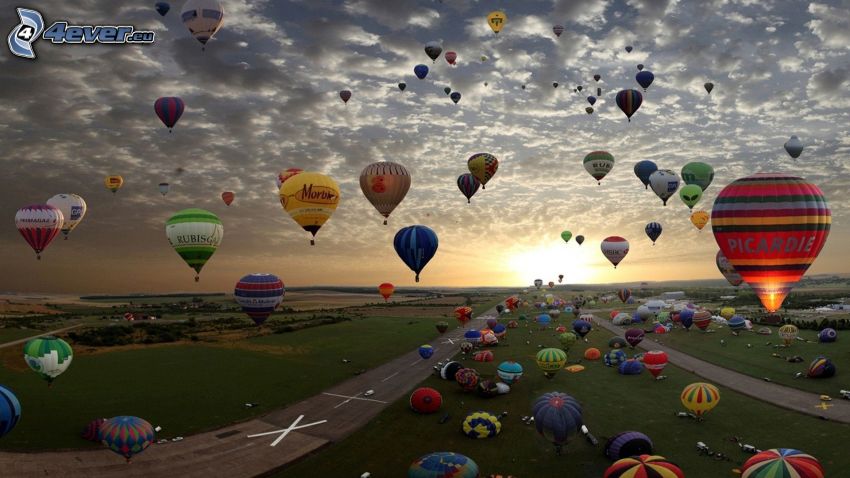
pixel 48 356
pixel 195 234
pixel 551 360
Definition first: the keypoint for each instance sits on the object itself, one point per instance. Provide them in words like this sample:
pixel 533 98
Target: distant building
pixel 675 295
pixel 839 306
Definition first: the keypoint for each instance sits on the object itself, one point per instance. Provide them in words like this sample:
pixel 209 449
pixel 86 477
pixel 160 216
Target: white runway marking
pixel 414 363
pixel 391 376
pixel 351 398
pixel 286 431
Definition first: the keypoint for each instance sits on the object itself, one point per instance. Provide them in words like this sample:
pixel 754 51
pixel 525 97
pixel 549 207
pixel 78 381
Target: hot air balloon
pixel 284 175
pixel 451 57
pixel 39 224
pixel 455 96
pixel 560 278
pixel 788 333
pixel 310 199
pixel 579 88
pixel 699 398
pixel 708 87
pixel 483 166
pixel 162 8
pixel 592 354
pixel 203 18
pixel 433 50
pixel 627 444
pixel 614 357
pixel 634 337
pixel 582 327
pixel 386 290
pixel 597 77
pixel 727 312
pixel 794 147
pixel 402 86
pixel 467 378
pixel 113 183
pixel 345 95
pixel 483 58
pixel 551 284
pixel 821 367
pixel 10 410
pixel 421 71
pixel 443 465
pixel 643 466
pixel 567 340
pixel 127 436
pixel 664 183
pixel 48 356
pixel 557 417
pixel 442 326
pixel 736 323
pixel 591 100
pixel 169 109
pixel 644 78
pixel 615 248
pixel 447 90
pixel 598 164
pixel 566 235
pixel 701 318
pixel 643 170
pixel 579 239
pixel 385 184
pixel 228 197
pixel 640 66
pixel 92 430
pixel 698 173
pixel 628 49
pixel 425 400
pixel 259 295
pixel 690 195
pixel 655 361
pixel 780 462
pixel 509 371
pixel 497 20
pixel 554 84
pixel 415 245
pixel 617 342
pixel 827 335
pixel 164 188
pixel 728 271
pixel 771 228
pixel 550 360
pixel 558 30
pixel 624 294
pixel 538 283
pixel 468 185
pixel 73 209
pixel 481 425
pixel 426 351
pixel 700 219
pixel 629 101
pixel 195 234
pixel 653 230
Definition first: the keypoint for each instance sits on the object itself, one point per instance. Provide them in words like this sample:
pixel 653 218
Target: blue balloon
pixel 426 351
pixel 737 322
pixel 455 96
pixel 644 78
pixel 421 71
pixel 162 8
pixel 614 357
pixel 472 336
pixel 630 367
pixel 581 327
pixel 544 319
pixel 643 170
pixel 686 316
pixel 653 230
pixel 827 335
pixel 557 417
pixel 591 100
pixel 499 328
pixel 10 410
pixel 416 245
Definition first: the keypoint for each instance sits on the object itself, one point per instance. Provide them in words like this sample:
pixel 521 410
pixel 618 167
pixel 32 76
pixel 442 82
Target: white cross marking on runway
pixel 286 431
pixel 351 398
pixel 449 341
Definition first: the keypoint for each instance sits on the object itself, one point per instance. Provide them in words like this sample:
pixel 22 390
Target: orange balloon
pixel 227 197
pixel 386 290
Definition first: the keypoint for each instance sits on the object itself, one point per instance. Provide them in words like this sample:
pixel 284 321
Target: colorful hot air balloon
pixel 463 314
pixel 164 188
pixel 467 378
pixel 385 184
pixel 169 109
pixel 664 183
pixel 497 20
pixel 421 71
pixel 483 166
pixel 653 231
pixel 481 425
pixel 794 147
pixel 579 239
pixel 345 95
pixel 690 195
pixel 655 361
pixel 433 50
pixel 782 462
pixel 643 466
pixel 73 209
pixel 443 465
pixel 259 295
pixel 827 335
pixel 643 170
pixel 589 110
pixel 627 444
pixel 426 351
pixel 386 290
pixel 700 219
pixel 195 234
pixel 442 326
pixel 629 101
pixel 644 78
pixel 10 410
pixel 699 398
pixel 48 356
pixel 788 333
pixel 771 228
pixel 455 96
pixel 698 173
pixel 821 367
pixel 615 248
pixel 310 199
pixel 509 372
pixel 425 400
pixel 228 197
pixel 113 183
pixel 728 271
pixel 624 294
pixel 162 8
pixel 127 436
pixel 598 164
pixel 468 185
pixel 203 19
pixel 551 360
pixel 557 418
pixel 451 57
pixel 284 175
pixel 708 87
pixel 415 245
pixel 39 224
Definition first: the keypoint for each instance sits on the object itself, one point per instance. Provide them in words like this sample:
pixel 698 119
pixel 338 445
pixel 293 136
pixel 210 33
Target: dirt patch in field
pixel 9 307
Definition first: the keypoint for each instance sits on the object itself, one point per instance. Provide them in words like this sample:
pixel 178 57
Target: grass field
pixel 612 403
pixel 189 388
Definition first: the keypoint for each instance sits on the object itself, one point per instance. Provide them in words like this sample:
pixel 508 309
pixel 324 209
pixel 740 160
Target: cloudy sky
pixel 263 97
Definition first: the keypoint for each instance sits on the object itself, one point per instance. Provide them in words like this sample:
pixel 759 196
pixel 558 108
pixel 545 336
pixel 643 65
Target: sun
pixel 577 264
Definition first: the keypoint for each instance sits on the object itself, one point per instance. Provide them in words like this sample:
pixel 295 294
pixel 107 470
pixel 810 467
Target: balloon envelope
pixel 443 465
pixel 598 164
pixel 794 147
pixel 615 248
pixel 496 20
pixel 203 18
pixel 698 173
pixel 39 224
pixel 310 199
pixel 483 166
pixel 664 183
pixel 169 109
pixel 10 410
pixel 127 436
pixel 415 245
pixel 629 101
pixel 73 209
pixel 195 234
pixel 385 184
pixel 259 295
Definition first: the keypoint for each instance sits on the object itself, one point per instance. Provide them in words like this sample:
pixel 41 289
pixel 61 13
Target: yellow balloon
pixel 699 398
pixel 497 20
pixel 113 183
pixel 310 198
pixel 727 312
pixel 700 219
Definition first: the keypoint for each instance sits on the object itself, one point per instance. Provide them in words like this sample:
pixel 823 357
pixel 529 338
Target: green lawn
pixel 612 403
pixel 10 334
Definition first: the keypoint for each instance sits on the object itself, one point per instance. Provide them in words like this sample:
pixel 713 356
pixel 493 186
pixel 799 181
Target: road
pixel 233 452
pixel 52 332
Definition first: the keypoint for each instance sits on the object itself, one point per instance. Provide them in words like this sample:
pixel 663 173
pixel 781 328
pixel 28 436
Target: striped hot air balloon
pixel 615 248
pixel 629 101
pixel 771 227
pixel 468 185
pixel 463 314
pixel 483 166
pixel 10 410
pixel 782 462
pixel 48 356
pixel 169 109
pixel 649 466
pixel 443 465
pixel 699 398
pixel 598 164
pixel 481 425
pixel 126 435
pixel 551 360
pixel 195 234
pixel 259 295
pixel 416 246
pixel 38 225
pixel 385 185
